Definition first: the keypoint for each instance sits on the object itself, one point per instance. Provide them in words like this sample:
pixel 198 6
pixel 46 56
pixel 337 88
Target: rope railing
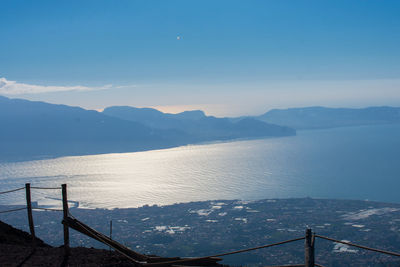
pixel 45 188
pixel 227 253
pixel 34 208
pixel 100 237
pixel 46 209
pixel 309 246
pixel 144 260
pixel 259 247
pixel 13 190
pixel 29 207
pixel 215 256
pixel 12 210
pixel 359 246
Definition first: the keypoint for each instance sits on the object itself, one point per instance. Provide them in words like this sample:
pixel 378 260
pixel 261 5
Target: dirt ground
pixel 16 250
pixel 17 255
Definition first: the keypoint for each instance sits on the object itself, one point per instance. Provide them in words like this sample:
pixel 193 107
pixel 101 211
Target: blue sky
pixel 225 57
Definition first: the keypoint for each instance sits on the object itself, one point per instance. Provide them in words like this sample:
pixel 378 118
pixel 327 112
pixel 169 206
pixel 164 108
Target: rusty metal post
pixel 309 257
pixel 29 209
pixel 65 215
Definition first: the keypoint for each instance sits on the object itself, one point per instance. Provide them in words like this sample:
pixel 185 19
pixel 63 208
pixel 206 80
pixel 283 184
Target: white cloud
pixel 15 88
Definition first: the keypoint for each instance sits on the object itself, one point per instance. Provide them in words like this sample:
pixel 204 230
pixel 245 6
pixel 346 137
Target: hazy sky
pixel 225 57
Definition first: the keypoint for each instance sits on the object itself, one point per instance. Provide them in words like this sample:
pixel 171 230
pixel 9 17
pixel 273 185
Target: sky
pixel 226 57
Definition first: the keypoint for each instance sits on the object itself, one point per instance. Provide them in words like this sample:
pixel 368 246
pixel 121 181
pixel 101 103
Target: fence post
pixel 309 259
pixel 110 232
pixel 65 215
pixel 29 209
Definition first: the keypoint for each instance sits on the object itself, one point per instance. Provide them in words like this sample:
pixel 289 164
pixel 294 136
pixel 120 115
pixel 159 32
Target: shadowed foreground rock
pixel 17 250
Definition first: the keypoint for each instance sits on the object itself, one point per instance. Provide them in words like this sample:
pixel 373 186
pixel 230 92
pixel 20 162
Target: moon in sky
pixel 178 38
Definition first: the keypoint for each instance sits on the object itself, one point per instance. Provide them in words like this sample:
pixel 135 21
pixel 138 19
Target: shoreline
pixel 77 205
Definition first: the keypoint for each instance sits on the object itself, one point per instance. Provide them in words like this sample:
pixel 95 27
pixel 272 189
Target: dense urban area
pixel 210 227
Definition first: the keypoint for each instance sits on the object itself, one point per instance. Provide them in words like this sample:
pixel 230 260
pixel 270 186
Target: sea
pixel 360 162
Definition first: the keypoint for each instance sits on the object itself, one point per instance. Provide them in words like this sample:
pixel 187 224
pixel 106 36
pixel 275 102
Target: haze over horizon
pixel 228 58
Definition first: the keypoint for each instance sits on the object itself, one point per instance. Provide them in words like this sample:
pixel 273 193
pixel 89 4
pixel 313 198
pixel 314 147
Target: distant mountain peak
pixel 323 117
pixel 191 114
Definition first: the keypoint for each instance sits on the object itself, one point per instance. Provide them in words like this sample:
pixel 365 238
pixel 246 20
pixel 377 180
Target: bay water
pixel 360 162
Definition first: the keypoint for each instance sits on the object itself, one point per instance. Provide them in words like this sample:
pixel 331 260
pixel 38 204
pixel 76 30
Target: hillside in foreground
pixel 16 250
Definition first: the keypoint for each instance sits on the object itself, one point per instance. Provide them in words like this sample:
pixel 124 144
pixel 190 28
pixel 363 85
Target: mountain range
pixel 198 125
pixel 322 117
pixel 40 129
pixel 30 129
